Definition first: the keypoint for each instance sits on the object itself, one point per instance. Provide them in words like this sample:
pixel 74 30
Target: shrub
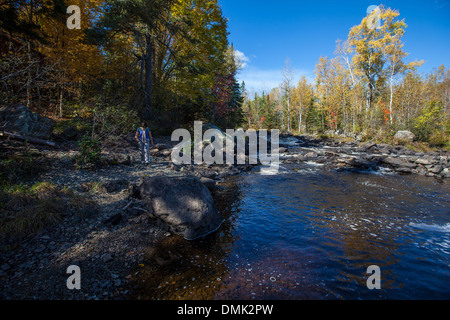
pixel 439 138
pixel 431 119
pixel 90 151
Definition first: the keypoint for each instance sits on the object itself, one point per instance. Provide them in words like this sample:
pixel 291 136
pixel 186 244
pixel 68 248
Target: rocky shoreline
pixel 109 242
pixel 355 156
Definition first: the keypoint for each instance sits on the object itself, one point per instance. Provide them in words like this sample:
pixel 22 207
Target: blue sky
pixel 267 32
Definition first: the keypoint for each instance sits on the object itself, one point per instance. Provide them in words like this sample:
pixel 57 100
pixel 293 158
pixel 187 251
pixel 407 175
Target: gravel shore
pixel 108 241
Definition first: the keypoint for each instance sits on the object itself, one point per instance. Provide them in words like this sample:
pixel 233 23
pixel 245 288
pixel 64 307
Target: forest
pixel 367 90
pixel 170 62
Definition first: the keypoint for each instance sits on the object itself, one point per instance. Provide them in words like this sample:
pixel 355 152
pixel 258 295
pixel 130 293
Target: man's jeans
pixel 144 148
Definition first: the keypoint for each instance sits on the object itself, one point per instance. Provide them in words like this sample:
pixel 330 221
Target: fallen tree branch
pixel 140 209
pixel 29 139
pixel 129 203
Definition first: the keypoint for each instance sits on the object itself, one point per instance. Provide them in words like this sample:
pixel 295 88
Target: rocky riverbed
pixel 110 239
pixel 355 156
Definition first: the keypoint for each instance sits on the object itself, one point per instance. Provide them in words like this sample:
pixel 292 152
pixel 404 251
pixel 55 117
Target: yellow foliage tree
pixel 66 48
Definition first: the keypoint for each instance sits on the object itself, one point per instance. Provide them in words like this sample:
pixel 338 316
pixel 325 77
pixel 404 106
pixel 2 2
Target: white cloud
pixel 258 80
pixel 241 59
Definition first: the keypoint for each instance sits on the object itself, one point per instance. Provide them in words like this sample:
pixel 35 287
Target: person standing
pixel 144 136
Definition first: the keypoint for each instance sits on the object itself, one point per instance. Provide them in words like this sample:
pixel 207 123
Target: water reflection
pixel 311 236
pixel 180 269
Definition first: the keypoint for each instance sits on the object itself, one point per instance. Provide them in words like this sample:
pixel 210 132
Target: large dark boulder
pixel 184 204
pixel 20 120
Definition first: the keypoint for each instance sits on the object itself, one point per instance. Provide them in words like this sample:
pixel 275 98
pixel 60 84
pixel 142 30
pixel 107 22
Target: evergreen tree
pixel 313 119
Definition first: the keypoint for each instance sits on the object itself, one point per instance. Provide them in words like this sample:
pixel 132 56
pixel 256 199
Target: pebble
pixel 40 249
pixel 107 257
pixel 5 267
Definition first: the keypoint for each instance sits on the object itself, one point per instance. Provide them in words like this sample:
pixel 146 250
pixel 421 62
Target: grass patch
pixel 20 167
pixel 26 210
pixel 419 147
pixel 94 187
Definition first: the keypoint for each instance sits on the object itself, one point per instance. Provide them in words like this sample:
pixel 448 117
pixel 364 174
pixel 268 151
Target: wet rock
pixel 436 169
pixel 311 155
pixel 445 173
pixel 349 161
pixel 403 170
pixel 399 162
pixel 384 146
pixel 424 161
pixel 283 150
pixel 443 160
pixel 153 151
pixel 374 158
pixel 384 150
pixel 405 151
pixel 125 160
pixel 39 249
pixel 368 145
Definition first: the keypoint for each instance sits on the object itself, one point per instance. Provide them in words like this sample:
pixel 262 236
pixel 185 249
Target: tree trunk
pixel 28 139
pixel 289 113
pixel 391 87
pixel 29 78
pixel 300 118
pixel 61 92
pixel 368 105
pixel 148 111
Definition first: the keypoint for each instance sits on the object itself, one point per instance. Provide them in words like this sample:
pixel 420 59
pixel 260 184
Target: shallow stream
pixel 308 233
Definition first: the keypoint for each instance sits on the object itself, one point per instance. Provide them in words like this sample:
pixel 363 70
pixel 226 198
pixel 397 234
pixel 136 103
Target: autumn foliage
pixel 168 61
pixel 368 90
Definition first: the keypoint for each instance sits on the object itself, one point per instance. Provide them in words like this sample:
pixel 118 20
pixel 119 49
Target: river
pixel 310 233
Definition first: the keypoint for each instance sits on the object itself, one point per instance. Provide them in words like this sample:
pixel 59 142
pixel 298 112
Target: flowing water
pixel 308 233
